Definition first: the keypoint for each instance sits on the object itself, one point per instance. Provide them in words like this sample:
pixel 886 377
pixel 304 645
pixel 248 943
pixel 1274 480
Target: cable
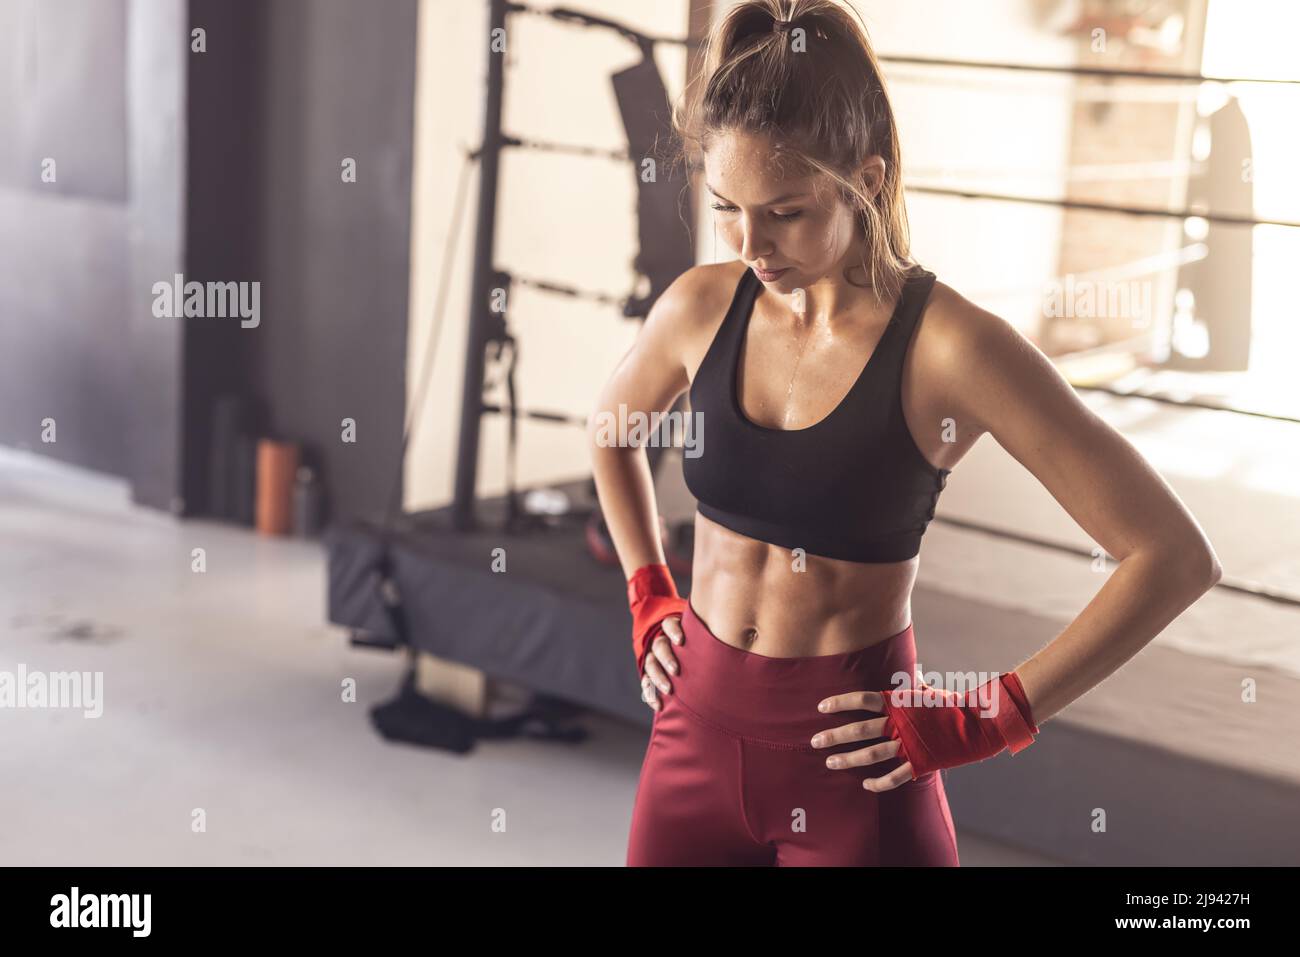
pixel 387 593
pixel 580 18
pixel 448 258
pixel 546 146
pixel 1253 589
pixel 1227 219
pixel 1090 71
pixel 646 41
pixel 574 292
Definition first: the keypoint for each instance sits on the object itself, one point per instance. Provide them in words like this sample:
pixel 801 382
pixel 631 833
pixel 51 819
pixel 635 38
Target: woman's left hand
pixel 862 731
pixel 930 728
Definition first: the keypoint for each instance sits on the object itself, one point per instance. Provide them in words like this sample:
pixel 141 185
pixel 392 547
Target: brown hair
pixel 814 87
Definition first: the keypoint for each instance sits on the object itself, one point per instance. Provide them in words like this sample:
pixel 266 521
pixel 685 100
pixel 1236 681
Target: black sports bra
pixel 853 486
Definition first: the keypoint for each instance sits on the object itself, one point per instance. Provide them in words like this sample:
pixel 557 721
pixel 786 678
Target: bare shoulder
pixel 984 363
pixel 952 326
pixel 671 343
pixel 695 296
pixel 689 311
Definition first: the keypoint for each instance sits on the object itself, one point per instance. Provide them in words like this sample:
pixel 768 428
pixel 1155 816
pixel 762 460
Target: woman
pixel 834 385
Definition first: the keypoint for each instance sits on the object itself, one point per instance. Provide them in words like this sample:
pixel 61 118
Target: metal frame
pixel 480 317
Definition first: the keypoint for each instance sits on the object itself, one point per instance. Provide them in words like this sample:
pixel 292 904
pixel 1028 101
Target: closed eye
pixel 783 217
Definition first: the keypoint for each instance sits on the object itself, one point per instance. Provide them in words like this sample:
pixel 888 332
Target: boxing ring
pixel 549 624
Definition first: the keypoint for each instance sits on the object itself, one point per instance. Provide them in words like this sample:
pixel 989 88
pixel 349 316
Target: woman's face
pixel 780 224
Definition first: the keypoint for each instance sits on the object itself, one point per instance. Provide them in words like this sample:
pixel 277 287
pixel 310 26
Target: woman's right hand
pixel 660 662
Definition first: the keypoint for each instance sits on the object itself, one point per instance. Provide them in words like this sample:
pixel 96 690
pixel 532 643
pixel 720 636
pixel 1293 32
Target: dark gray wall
pixel 223 144
pixel 339 81
pixel 223 165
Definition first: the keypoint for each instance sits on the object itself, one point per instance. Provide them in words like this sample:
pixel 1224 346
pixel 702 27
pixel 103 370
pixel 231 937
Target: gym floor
pixel 226 698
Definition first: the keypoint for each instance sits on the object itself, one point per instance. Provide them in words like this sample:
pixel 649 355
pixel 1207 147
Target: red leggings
pixel 729 776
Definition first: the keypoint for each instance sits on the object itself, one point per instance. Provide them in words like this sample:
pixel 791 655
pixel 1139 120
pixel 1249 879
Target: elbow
pixel 1194 567
pixel 1196 557
pixel 1206 571
pixel 1209 564
pixel 1216 571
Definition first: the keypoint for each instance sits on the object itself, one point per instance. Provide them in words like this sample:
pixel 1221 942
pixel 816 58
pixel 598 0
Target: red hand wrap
pixel 652 596
pixel 937 728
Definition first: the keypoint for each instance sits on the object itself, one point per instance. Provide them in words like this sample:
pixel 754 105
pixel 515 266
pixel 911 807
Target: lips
pixel 770 275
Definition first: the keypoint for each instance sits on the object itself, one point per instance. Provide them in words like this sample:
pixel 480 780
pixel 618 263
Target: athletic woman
pixel 834 386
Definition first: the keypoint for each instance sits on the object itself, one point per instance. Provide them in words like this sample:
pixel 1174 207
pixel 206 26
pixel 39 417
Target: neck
pixel 832 297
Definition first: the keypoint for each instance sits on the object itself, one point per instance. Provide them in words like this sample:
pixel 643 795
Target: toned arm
pixel 648 379
pixel 1000 383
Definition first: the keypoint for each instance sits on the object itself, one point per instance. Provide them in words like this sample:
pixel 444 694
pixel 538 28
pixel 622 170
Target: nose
pixel 753 242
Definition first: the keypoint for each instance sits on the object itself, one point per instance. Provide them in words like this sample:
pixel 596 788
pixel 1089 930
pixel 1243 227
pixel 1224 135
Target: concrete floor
pixel 222 692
